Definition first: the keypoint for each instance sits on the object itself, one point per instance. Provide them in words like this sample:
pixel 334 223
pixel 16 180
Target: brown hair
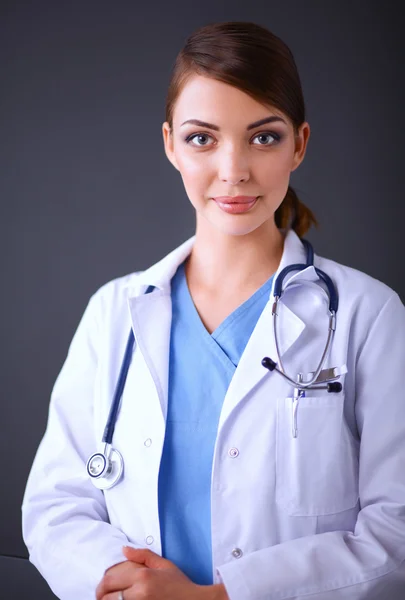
pixel 254 60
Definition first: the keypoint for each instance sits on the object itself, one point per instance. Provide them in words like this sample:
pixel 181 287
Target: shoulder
pixel 115 291
pixel 359 291
pixel 136 283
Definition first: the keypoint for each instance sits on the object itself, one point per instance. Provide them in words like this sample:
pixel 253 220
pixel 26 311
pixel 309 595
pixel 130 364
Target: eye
pixel 195 135
pixel 276 138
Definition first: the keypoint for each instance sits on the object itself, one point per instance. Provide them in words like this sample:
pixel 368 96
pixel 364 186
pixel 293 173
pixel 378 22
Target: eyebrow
pixel 251 126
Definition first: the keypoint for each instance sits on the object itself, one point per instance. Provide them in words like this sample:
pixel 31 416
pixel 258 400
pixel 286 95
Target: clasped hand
pixel 146 575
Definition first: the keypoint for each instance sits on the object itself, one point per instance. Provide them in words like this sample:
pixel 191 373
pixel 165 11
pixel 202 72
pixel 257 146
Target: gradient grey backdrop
pixel 87 193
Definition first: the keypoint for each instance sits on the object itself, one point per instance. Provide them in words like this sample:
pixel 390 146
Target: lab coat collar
pixel 160 274
pixel 156 308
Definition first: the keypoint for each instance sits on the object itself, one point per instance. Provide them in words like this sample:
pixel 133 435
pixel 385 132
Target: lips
pixel 235 205
pixel 235 199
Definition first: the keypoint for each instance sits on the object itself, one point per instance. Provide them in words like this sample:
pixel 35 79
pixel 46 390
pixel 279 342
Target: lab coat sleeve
pixel 64 517
pixel 369 563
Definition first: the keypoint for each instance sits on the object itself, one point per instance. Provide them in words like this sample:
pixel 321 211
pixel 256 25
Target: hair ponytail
pixel 294 214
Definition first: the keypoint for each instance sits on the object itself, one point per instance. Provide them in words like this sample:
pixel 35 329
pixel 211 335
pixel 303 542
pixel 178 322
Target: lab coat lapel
pixel 151 317
pixel 151 320
pixel 250 372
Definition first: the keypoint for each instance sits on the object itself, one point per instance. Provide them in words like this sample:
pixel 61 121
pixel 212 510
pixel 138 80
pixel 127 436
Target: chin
pixel 237 224
pixel 237 229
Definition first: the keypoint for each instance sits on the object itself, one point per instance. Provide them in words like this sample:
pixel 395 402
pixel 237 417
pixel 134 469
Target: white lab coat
pixel 317 517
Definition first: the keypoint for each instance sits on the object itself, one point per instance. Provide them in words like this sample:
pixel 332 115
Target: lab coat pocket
pixel 317 470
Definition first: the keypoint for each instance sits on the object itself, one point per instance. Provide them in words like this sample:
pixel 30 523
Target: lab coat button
pixel 233 452
pixel 237 552
pixel 149 540
pixel 147 442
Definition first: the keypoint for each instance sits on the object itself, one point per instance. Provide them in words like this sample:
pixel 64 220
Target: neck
pixel 220 263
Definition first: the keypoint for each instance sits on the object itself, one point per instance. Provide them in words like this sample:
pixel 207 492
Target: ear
pixel 301 142
pixel 168 144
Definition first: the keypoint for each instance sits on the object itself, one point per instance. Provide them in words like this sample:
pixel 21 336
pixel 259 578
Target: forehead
pixel 211 100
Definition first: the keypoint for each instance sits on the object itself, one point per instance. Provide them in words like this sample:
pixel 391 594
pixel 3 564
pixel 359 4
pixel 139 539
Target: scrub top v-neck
pixel 201 366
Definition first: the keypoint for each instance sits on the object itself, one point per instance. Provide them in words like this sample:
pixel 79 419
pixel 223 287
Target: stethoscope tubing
pixel 333 295
pixel 303 385
pixel 112 417
pixel 333 306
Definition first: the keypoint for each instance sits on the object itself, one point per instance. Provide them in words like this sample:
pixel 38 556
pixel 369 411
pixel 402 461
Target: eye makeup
pixel 276 136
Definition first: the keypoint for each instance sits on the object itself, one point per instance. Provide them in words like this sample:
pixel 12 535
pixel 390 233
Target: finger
pixel 124 564
pixel 117 578
pixel 116 595
pixel 148 558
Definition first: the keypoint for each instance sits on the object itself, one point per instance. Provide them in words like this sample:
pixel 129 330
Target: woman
pixel 235 485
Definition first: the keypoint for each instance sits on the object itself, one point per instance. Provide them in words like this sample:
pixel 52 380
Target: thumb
pixel 147 557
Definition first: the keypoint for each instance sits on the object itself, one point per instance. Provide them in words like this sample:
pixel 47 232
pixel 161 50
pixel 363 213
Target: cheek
pixel 278 166
pixel 194 171
pixel 188 161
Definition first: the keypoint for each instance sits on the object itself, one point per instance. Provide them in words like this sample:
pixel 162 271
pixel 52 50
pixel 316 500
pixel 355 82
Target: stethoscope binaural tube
pixel 268 363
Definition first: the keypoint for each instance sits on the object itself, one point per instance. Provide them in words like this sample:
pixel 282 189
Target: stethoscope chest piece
pixel 105 470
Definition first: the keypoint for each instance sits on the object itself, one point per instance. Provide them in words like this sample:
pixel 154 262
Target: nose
pixel 233 181
pixel 233 167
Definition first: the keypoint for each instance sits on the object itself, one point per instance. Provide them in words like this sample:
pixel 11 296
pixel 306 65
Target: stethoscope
pixel 106 468
pixel 319 379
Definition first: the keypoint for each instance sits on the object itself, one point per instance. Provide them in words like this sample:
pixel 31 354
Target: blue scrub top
pixel 201 366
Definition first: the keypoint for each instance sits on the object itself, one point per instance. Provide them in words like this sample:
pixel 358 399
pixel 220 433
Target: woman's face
pixel 229 157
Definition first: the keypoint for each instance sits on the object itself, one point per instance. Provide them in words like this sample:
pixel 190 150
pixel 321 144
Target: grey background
pixel 87 193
